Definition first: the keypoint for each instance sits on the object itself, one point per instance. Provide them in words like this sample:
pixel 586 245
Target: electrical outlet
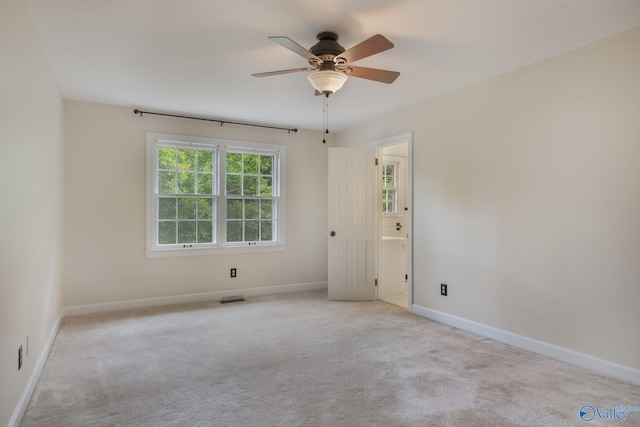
pixel 19 358
pixel 234 272
pixel 443 289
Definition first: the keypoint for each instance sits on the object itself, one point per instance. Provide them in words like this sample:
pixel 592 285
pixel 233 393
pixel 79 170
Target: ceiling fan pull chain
pixel 326 116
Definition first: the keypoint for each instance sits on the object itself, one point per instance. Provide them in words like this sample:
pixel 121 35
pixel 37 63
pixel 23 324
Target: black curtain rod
pixel 222 122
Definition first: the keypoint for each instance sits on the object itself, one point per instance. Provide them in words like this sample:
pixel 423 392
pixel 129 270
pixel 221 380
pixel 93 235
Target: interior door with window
pixel 352 231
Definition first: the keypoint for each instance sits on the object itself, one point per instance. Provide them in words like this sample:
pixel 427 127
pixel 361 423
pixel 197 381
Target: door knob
pixel 333 233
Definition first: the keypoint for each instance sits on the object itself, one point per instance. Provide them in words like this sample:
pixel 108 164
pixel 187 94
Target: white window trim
pixel 152 251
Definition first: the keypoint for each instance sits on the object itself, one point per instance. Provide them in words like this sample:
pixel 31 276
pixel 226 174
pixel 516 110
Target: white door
pixel 352 216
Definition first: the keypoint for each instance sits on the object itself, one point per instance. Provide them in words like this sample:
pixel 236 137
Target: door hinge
pixel 376 282
pixel 376 162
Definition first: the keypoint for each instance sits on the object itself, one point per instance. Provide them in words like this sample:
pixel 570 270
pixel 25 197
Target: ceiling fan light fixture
pixel 327 81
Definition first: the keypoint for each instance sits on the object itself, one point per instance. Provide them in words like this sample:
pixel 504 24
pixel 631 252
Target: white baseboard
pixel 552 351
pixel 77 310
pixel 35 375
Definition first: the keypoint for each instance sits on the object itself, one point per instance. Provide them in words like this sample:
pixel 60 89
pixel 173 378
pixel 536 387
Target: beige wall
pixel 527 199
pixel 31 206
pixel 105 212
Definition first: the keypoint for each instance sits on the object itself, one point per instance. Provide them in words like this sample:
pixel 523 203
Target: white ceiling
pixel 196 56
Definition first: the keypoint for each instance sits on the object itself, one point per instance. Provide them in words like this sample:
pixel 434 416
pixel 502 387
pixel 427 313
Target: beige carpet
pixel 300 360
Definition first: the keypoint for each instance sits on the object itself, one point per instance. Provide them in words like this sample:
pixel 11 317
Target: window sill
pixel 167 253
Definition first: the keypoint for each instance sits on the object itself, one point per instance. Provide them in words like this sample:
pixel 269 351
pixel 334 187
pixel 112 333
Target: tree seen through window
pixel 250 197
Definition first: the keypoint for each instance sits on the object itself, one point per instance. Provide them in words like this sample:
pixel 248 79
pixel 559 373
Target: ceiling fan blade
pixel 295 47
pixel 275 73
pixel 371 46
pixel 383 76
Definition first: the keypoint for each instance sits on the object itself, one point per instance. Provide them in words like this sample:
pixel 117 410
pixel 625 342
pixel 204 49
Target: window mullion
pixel 177 220
pixel 221 223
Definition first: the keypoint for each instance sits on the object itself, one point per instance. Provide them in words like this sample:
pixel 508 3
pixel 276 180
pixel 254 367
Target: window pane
pixel 234 231
pixel 205 183
pixel 266 186
pixel 251 163
pixel 187 208
pixel 166 232
pixel 234 209
pixel 234 185
pixel 266 163
pixel 234 163
pixel 205 161
pixel 250 186
pixel 205 208
pixel 251 231
pixel 166 182
pixel 205 234
pixel 187 183
pixel 166 158
pixel 186 232
pixel 389 194
pixel 167 208
pixel 187 160
pixel 252 209
pixel 266 209
pixel 266 233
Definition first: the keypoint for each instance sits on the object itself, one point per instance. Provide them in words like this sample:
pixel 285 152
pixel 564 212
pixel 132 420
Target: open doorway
pixel 394 221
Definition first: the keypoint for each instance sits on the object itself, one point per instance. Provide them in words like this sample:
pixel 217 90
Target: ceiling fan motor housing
pixel 327 45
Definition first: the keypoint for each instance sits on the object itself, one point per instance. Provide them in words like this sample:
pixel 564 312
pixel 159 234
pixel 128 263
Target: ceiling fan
pixel 331 63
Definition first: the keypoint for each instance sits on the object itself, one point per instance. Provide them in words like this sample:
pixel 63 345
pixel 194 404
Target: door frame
pixel 379 145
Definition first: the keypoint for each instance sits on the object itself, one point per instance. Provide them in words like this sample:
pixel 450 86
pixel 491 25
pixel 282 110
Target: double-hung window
pixel 208 196
pixel 390 187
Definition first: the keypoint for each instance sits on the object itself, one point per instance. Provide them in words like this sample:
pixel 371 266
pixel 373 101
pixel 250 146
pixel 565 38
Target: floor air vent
pixel 233 298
